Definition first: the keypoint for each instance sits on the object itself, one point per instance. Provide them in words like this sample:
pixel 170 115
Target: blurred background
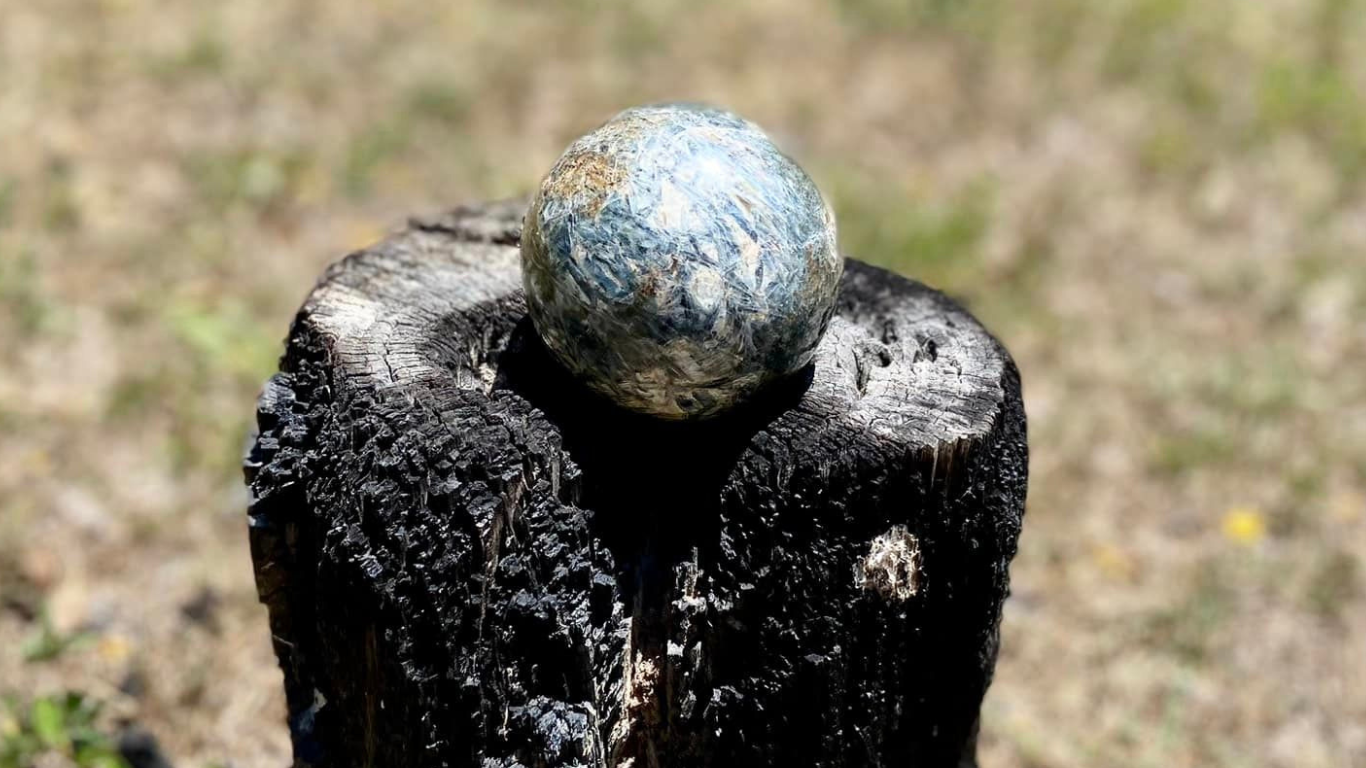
pixel 1159 206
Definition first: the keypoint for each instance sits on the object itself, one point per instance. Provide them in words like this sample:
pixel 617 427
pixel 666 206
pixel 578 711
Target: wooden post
pixel 468 560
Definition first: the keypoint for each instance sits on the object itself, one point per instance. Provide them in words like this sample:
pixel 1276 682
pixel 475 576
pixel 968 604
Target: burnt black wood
pixel 470 561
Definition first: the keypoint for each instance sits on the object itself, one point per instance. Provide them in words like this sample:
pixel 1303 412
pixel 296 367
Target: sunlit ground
pixel 1159 205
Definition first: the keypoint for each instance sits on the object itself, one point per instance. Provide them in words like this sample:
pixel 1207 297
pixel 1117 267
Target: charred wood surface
pixel 468 560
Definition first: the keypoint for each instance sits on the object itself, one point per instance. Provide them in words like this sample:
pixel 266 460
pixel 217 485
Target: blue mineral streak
pixel 676 261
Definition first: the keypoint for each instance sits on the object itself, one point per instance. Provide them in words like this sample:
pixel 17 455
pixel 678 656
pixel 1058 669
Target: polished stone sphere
pixel 676 261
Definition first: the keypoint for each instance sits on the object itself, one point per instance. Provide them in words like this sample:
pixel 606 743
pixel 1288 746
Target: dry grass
pixel 1160 205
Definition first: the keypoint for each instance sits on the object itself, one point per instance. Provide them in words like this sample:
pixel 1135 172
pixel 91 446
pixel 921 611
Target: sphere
pixel 676 261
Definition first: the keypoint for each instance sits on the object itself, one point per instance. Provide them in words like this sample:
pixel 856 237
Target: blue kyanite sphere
pixel 675 261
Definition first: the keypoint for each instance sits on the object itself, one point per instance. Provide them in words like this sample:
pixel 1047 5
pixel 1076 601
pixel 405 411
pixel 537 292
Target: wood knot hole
pixel 869 355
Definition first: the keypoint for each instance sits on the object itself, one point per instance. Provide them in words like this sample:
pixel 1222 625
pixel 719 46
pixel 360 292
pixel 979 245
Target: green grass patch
pixel 1315 265
pixel 1178 53
pixel 1320 102
pixel 1334 585
pixel 926 15
pixel 22 300
pixel 225 339
pixel 1056 30
pixel 61 211
pixel 639 31
pixel 1145 29
pixel 47 643
pixel 368 151
pixel 1332 28
pixel 259 179
pixel 1188 628
pixel 935 241
pixel 1169 150
pixel 135 395
pixel 9 191
pixel 440 101
pixel 1179 453
pixel 205 391
pixel 55 730
pixel 1266 385
pixel 204 55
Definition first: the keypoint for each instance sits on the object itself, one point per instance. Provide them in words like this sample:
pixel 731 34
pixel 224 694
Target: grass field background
pixel 1159 206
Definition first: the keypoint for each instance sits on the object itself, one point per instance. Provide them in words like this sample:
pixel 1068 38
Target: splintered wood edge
pixel 900 362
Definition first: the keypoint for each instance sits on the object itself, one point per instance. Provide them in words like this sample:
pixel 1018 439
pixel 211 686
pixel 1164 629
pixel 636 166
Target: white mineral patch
pixel 892 566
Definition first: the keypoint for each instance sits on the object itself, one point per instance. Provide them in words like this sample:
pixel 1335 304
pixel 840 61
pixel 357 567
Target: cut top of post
pixel 901 363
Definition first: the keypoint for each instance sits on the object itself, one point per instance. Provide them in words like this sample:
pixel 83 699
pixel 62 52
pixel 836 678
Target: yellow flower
pixel 113 648
pixel 1113 562
pixel 1244 525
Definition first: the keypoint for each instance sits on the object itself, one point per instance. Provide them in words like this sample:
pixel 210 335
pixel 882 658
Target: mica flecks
pixel 676 261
